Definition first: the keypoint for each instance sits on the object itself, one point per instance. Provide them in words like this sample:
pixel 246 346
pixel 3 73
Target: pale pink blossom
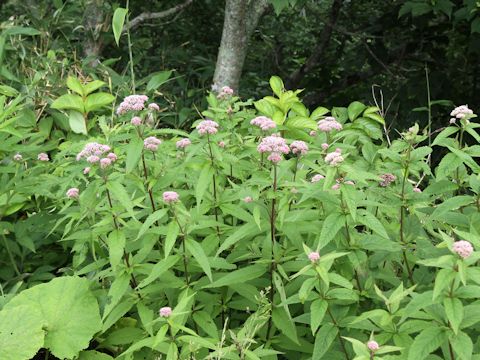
pixel 417 189
pixel 312 133
pixel 136 121
pixel 328 124
pixel 334 158
pixel 170 197
pixel 247 199
pixel 151 143
pixel 373 345
pixel 92 159
pixel 165 311
pixel 299 147
pixel 207 127
pixel 221 144
pixel 112 156
pixel 86 170
pixel 461 112
pixel 183 143
pixel 92 152
pixel 336 186
pixel 72 193
pixel 43 157
pixel 325 146
pixel 132 103
pixel 153 107
pixel 264 123
pixel 317 178
pixel 17 157
pixel 314 256
pixel 453 120
pixel 349 182
pixel 225 92
pixel 463 248
pixel 105 162
pixel 387 179
pixel 275 145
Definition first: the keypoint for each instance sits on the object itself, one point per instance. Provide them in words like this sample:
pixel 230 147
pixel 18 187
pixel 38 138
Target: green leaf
pixel 285 323
pixel 426 342
pixel 331 225
pixel 324 339
pixel 239 276
pixel 118 191
pixel 77 122
pixel 158 79
pixel 151 219
pixel 454 311
pixel 98 100
pixel 444 134
pixel 159 269
pixel 355 109
pixel 318 112
pixel 197 251
pixel 442 280
pixel 375 117
pixel 277 85
pixel 69 102
pixel 240 233
pixel 69 310
pixel 74 84
pixel 462 345
pixel 370 221
pixel 117 23
pixel 21 332
pixel 172 234
pixel 8 91
pixel 204 180
pixel 94 355
pixel 116 245
pixel 317 312
pixel 300 122
pixel 92 86
pixel 134 153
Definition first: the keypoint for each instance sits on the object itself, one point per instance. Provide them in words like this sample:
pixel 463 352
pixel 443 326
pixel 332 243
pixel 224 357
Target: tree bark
pixel 241 20
pixel 93 23
pixel 158 15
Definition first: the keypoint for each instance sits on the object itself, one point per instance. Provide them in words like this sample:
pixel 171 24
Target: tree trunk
pixel 93 23
pixel 241 19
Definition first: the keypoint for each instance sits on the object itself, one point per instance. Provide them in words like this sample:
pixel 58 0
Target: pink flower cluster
pixel 72 193
pixel 387 179
pixel 132 103
pixel 95 153
pixel 317 178
pixel 207 127
pixel 299 147
pixel 43 157
pixel 314 256
pixel 183 143
pixel 275 145
pixel 340 181
pixel 325 146
pixel 263 123
pixel 247 199
pixel 153 107
pixel 373 346
pixel 226 91
pixel 334 158
pixel 463 248
pixel 165 312
pixel 170 197
pixel 460 112
pixel 17 157
pixel 136 121
pixel 151 143
pixel 328 124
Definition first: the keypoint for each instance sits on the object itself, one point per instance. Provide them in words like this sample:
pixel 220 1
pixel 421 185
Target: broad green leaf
pixel 355 109
pixel 151 219
pixel 172 234
pixel 204 180
pixel 444 134
pixel 426 342
pixel 299 122
pixel 92 86
pixel 454 311
pixel 116 246
pixel 462 345
pixel 21 332
pixel 370 221
pixel 318 112
pixel 98 100
pixel 317 312
pixel 277 85
pixel 8 91
pixel 285 323
pixel 117 23
pixel 332 224
pixel 69 310
pixel 77 122
pixel 158 79
pixel 94 355
pixel 197 251
pixel 324 339
pixel 134 153
pixel 442 280
pixel 118 191
pixel 240 233
pixel 74 84
pixel 239 276
pixel 159 269
pixel 69 102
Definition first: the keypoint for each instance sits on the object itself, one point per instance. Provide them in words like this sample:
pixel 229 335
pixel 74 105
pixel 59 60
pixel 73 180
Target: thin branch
pixel 158 15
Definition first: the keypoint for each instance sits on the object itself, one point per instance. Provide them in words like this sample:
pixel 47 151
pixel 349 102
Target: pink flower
pixel 153 107
pixel 221 144
pixel 43 157
pixel 136 121
pixel 225 92
pixel 165 311
pixel 463 248
pixel 151 143
pixel 86 170
pixel 207 127
pixel 183 143
pixel 328 124
pixel 92 159
pixel 170 197
pixel 336 186
pixel 112 156
pixel 247 199
pixel 314 256
pixel 417 189
pixel 453 120
pixel 461 112
pixel 349 182
pixel 105 162
pixel 317 178
pixel 132 103
pixel 92 152
pixel 387 179
pixel 325 146
pixel 299 147
pixel 312 133
pixel 275 145
pixel 334 158
pixel 72 193
pixel 373 345
pixel 264 123
pixel 17 157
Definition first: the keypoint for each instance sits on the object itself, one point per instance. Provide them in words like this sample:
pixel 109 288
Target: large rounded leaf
pixel 21 333
pixel 69 310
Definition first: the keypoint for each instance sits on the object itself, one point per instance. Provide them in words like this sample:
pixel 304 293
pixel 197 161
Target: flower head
pixel 328 124
pixel 225 92
pixel 86 170
pixel 463 248
pixel 165 311
pixel 17 157
pixel 387 179
pixel 275 145
pixel 325 146
pixel 314 256
pixel 72 193
pixel 207 127
pixel 264 123
pixel 136 121
pixel 312 133
pixel 417 189
pixel 299 147
pixel 105 162
pixel 183 143
pixel 461 112
pixel 317 178
pixel 153 107
pixel 43 157
pixel 247 199
pixel 373 345
pixel 92 152
pixel 132 103
pixel 221 144
pixel 151 143
pixel 170 197
pixel 334 158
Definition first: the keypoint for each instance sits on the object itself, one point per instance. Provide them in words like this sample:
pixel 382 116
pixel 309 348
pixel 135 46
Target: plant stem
pixel 184 235
pixel 130 47
pixel 149 190
pixel 402 219
pixel 450 349
pixel 342 343
pixel 212 159
pixel 10 255
pixel 272 237
pixel 429 104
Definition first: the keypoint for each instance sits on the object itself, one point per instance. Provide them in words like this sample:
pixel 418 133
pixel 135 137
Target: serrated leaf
pixel 197 251
pixel 98 100
pixel 159 269
pixel 118 191
pixel 204 180
pixel 426 342
pixel 151 219
pixel 74 84
pixel 134 153
pixel 285 324
pixel 324 339
pixel 317 312
pixel 332 224
pixel 116 245
pixel 454 311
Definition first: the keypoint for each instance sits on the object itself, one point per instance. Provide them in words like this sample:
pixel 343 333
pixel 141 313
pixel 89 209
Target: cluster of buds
pixel 334 158
pixel 96 153
pixel 387 179
pixel 263 123
pixel 328 124
pixel 17 157
pixel 247 199
pixel 132 103
pixel 136 121
pixel 275 145
pixel 43 157
pixel 165 312
pixel 317 178
pixel 341 181
pixel 314 256
pixel 299 147
pixel 73 193
pixel 207 127
pixel 460 112
pixel 183 143
pixel 463 248
pixel 225 92
pixel 151 143
pixel 170 197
